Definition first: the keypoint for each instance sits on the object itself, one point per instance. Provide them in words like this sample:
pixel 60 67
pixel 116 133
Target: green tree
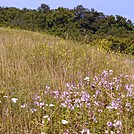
pixel 44 8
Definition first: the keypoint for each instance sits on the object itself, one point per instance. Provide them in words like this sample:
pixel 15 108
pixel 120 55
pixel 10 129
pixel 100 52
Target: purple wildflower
pixel 110 124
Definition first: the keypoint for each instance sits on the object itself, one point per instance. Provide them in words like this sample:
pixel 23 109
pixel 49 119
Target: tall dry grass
pixel 31 62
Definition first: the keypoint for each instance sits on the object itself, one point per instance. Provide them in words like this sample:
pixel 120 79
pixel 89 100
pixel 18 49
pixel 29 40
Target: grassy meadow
pixel 53 86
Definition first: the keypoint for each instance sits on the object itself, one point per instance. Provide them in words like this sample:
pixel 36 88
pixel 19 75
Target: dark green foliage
pixel 79 24
pixel 123 45
pixel 44 8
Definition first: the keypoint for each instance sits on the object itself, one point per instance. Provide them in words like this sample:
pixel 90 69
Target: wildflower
pixel 33 110
pixel 118 132
pixel 56 94
pixel 97 93
pixel 12 92
pixel 14 100
pixel 23 106
pixel 46 117
pixel 115 104
pixel 87 79
pixel 64 122
pixel 109 124
pixel 105 73
pixel 41 104
pixel 130 90
pixel 46 104
pixel 37 103
pixel 51 105
pixel 67 84
pixel 67 132
pixel 47 87
pixel 100 110
pixel 128 106
pixel 117 124
pixel 88 105
pixel 37 98
pixel 93 86
pixel 110 72
pixel 63 104
pixel 85 131
pixel 96 79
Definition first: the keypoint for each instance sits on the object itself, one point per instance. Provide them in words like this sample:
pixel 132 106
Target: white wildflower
pixel 110 72
pixel 46 116
pixel 46 104
pixel 85 131
pixel 64 122
pixel 23 106
pixel 87 79
pixel 117 124
pixel 14 100
pixel 51 105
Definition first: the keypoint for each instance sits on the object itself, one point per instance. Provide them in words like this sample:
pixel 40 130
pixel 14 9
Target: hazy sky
pixel 115 7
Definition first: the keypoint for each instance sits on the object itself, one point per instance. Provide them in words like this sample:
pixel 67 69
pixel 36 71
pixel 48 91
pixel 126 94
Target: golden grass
pixel 31 58
pixel 29 61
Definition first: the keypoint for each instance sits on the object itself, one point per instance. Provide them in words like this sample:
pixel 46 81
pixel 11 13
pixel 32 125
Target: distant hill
pixel 80 23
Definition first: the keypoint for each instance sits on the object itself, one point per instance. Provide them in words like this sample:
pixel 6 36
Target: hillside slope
pixel 34 65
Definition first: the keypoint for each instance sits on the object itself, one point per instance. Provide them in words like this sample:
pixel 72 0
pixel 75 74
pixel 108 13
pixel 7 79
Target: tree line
pixel 80 23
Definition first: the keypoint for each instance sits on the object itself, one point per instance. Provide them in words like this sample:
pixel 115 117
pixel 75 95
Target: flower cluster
pixel 100 96
pixel 72 97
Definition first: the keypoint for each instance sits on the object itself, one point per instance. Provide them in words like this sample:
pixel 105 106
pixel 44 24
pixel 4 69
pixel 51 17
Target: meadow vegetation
pixel 49 85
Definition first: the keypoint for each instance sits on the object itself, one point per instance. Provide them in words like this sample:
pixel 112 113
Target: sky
pixel 124 8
